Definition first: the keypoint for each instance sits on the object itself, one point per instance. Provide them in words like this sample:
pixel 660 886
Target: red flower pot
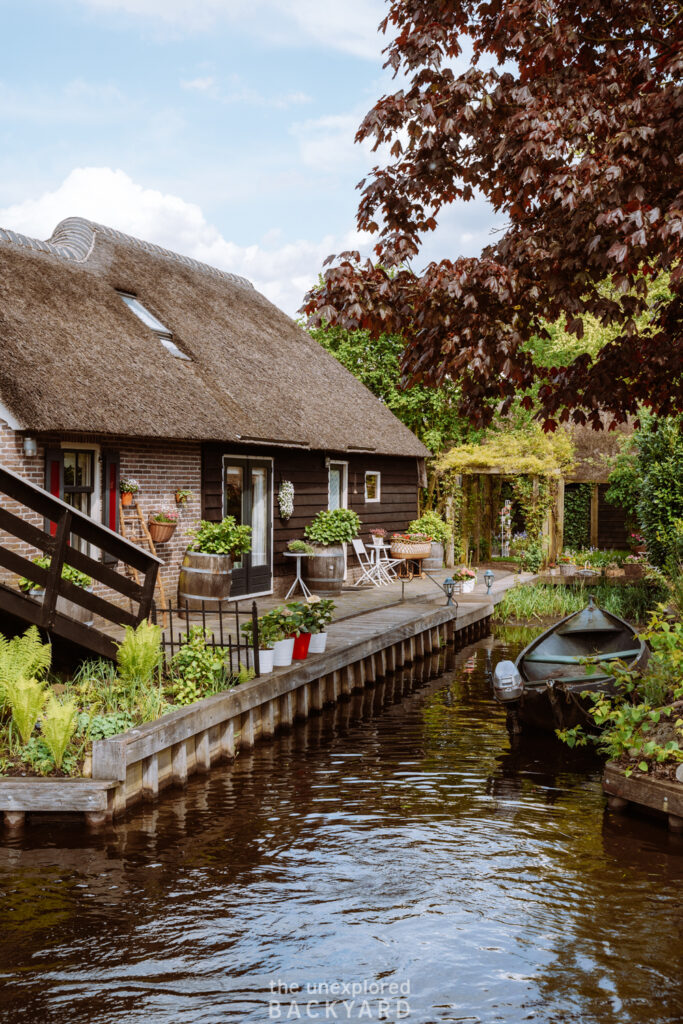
pixel 301 645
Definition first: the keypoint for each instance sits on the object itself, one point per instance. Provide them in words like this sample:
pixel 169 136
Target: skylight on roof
pixel 149 320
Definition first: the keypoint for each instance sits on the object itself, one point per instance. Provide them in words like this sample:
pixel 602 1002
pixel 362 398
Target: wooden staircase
pixel 21 502
pixel 135 529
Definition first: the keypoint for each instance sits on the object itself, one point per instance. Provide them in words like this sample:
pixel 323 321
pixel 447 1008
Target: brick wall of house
pixel 160 468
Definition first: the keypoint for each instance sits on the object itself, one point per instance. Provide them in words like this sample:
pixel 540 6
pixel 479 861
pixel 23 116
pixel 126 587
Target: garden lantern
pixel 488 580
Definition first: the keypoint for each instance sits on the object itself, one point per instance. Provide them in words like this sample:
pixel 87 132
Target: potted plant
pixel 378 537
pixel 318 618
pixel 637 543
pixel 300 547
pixel 269 634
pixel 128 487
pixel 183 495
pixel 438 529
pixel 411 545
pixel 467 577
pixel 296 620
pixel 328 532
pixel 567 563
pixel 288 619
pixel 634 566
pixel 205 575
pixel 63 605
pixel 162 525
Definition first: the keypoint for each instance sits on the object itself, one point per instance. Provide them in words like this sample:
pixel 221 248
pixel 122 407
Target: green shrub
pixel 224 538
pixel 338 526
pixel 25 698
pixel 577 516
pixel 57 727
pixel 24 656
pixel 80 579
pixel 197 667
pixel 300 547
pixel 432 524
pixel 139 655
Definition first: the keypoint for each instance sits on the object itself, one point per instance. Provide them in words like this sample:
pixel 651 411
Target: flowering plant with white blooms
pixel 285 499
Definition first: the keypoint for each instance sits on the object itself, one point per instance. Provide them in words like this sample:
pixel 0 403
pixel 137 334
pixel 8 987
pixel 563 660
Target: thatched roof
pixel 594 452
pixel 76 359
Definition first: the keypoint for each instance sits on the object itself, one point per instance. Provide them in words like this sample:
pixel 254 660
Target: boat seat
pixel 575 659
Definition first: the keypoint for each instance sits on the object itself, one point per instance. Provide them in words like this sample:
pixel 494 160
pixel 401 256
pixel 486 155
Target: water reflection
pixel 397 837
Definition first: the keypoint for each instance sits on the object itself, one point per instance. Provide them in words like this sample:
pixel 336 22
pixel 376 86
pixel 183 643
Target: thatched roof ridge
pixel 76 359
pixel 74 238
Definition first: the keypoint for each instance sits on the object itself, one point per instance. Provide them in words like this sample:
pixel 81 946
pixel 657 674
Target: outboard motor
pixel 507 682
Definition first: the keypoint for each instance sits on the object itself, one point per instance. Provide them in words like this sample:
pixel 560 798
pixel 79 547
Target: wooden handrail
pixel 68 522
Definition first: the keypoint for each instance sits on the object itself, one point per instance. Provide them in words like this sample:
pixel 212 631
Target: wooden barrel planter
pixel 204 578
pixel 435 560
pixel 324 570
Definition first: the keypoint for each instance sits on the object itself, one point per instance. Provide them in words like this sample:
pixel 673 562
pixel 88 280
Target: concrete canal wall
pixel 137 765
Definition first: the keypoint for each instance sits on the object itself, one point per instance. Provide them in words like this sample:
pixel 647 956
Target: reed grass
pixel 539 602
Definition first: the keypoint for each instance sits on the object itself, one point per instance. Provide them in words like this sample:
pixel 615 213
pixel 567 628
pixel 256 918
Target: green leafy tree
pixel 431 413
pixel 660 506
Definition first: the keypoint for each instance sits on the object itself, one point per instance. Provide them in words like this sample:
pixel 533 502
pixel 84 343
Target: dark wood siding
pixel 612 532
pixel 308 472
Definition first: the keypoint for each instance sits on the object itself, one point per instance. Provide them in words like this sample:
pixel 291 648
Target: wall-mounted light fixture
pixel 30 446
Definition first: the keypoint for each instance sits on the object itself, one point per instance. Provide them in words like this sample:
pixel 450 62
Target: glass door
pixel 248 496
pixel 338 492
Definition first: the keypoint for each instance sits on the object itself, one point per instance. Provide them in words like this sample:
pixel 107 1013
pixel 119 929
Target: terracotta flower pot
pixel 127 498
pixel 301 645
pixel 161 532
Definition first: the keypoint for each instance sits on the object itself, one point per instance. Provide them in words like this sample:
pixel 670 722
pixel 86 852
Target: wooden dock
pixel 659 795
pixel 363 650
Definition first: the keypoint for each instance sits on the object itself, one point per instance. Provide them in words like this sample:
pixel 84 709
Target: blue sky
pixel 219 128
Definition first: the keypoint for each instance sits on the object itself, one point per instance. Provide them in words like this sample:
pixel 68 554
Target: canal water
pixel 399 861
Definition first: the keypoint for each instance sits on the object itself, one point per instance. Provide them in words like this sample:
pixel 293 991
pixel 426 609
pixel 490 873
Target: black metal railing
pixel 222 625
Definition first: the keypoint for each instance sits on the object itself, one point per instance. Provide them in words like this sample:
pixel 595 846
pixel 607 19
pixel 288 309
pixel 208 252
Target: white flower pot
pixel 318 643
pixel 282 652
pixel 468 586
pixel 265 661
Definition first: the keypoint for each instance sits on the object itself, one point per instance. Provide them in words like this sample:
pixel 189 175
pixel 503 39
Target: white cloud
pixel 282 272
pixel 207 84
pixel 239 93
pixel 349 25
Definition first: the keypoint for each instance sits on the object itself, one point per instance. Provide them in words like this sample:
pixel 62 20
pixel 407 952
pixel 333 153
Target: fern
pixel 23 657
pixel 139 654
pixel 25 698
pixel 58 726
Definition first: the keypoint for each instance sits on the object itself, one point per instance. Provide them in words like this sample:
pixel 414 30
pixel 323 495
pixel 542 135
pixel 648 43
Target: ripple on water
pixel 409 843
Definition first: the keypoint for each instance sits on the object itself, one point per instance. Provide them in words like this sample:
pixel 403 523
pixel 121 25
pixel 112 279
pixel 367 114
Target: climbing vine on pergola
pixel 535 464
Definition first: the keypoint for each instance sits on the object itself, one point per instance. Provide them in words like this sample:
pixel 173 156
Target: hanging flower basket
pixel 285 499
pixel 162 526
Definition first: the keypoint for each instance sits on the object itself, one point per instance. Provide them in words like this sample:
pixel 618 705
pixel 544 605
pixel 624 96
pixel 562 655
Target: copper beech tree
pixel 569 120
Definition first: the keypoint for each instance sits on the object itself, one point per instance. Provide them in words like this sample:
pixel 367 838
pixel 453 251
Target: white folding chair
pixel 370 571
pixel 387 564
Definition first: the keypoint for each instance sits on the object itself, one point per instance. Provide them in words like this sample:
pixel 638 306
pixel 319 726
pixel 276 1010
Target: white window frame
pixel 376 473
pixel 344 495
